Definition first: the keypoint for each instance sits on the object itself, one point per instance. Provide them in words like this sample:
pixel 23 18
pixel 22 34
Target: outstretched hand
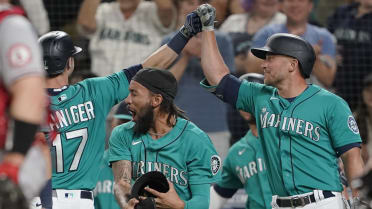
pixel 168 200
pixel 207 14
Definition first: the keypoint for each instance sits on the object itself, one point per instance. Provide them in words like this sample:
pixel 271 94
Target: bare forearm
pixel 26 90
pixel 179 68
pixel 87 13
pixel 161 58
pixel 353 165
pixel 121 193
pixel 214 67
pixel 122 174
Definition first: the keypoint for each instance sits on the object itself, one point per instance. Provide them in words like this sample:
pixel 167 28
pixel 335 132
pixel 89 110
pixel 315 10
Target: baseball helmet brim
pixel 77 50
pixel 260 52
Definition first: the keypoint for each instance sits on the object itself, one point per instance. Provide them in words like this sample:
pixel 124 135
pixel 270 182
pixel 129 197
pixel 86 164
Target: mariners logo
pixel 352 125
pixel 215 164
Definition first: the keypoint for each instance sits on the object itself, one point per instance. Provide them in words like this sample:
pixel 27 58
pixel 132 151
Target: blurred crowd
pixel 120 33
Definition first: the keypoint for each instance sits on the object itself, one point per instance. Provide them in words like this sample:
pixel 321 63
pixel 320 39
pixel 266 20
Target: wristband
pixel 23 136
pixel 178 42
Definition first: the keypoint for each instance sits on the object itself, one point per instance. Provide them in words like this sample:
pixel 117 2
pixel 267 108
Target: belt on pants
pixel 84 194
pixel 301 201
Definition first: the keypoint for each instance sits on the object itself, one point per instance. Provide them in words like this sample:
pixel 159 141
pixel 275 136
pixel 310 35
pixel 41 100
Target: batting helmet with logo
pixel 57 48
pixel 289 45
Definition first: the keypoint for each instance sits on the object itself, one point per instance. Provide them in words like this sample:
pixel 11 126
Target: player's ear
pixel 156 100
pixel 294 65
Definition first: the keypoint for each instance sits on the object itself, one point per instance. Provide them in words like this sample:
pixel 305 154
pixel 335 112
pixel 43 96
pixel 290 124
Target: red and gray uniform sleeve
pixel 20 51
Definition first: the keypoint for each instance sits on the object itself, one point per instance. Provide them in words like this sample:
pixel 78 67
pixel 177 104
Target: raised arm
pixel 87 15
pixel 122 170
pixel 214 67
pixel 166 54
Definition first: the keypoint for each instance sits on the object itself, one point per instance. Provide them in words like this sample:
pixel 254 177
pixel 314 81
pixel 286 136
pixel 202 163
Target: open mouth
pixel 132 112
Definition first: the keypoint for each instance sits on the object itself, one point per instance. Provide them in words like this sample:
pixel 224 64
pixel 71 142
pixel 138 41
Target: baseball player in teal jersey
pixel 80 110
pixel 303 127
pixel 160 138
pixel 244 167
pixel 104 192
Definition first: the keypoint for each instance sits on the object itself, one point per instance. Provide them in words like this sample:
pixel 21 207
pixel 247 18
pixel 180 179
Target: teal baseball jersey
pixel 301 139
pixel 79 115
pixel 244 167
pixel 104 192
pixel 185 155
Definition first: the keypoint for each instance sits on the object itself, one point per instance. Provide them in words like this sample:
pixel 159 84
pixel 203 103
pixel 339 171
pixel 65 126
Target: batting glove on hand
pixel 207 14
pixel 192 26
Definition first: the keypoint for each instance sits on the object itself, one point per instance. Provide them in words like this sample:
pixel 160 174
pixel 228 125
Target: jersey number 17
pixel 71 135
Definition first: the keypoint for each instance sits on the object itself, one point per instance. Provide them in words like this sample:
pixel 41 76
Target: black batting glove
pixel 192 25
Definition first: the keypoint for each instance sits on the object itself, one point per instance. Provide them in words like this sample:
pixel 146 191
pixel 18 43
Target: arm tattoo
pixel 122 175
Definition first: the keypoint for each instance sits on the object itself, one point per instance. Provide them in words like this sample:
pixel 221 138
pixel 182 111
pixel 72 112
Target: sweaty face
pixel 275 69
pixel 297 11
pixel 139 105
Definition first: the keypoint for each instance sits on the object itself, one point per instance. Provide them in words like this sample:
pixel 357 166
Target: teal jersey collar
pixel 173 135
pixel 309 91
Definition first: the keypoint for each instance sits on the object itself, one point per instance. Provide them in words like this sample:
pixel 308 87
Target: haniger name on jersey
pixel 294 125
pixel 72 115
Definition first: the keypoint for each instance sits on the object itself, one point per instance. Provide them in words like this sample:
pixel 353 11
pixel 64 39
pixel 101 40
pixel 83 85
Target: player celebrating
pixel 161 138
pixel 80 110
pixel 300 143
pixel 244 166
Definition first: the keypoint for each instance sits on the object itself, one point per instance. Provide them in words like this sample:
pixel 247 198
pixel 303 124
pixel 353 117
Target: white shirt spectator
pixel 118 42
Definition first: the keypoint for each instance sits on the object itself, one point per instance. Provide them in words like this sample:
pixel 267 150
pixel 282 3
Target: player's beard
pixel 145 121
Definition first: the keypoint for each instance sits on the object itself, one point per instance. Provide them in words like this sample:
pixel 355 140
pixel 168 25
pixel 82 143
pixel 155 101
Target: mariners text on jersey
pixel 249 170
pixel 72 115
pixel 295 125
pixel 172 173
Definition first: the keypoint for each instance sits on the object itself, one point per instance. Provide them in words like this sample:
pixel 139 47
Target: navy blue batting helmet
pixel 289 45
pixel 57 48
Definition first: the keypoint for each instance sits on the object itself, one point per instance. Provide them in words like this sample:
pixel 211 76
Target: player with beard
pixel 161 138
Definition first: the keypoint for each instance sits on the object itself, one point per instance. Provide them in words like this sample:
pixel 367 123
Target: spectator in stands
pixel 225 8
pixel 297 12
pixel 352 26
pixel 210 117
pixel 363 117
pixel 124 32
pixel 258 14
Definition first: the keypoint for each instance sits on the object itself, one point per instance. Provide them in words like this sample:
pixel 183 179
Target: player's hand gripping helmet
pixel 289 45
pixel 57 48
pixel 155 180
